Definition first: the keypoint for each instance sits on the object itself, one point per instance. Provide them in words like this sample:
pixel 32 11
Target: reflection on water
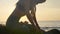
pixel 48 25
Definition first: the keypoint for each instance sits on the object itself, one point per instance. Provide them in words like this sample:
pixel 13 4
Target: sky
pixel 48 11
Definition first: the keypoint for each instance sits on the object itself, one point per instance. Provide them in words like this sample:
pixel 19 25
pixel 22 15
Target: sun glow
pixel 45 11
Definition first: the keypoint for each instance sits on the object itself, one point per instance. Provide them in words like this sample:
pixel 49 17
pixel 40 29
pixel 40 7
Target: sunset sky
pixel 50 10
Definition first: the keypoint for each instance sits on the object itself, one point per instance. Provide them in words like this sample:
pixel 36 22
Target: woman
pixel 23 7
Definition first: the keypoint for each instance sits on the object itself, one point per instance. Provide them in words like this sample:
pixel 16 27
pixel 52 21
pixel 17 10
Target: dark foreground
pixel 3 30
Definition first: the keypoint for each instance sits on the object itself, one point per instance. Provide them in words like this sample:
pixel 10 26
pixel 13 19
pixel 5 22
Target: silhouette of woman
pixel 23 7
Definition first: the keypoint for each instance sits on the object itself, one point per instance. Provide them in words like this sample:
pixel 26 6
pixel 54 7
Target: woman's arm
pixel 33 12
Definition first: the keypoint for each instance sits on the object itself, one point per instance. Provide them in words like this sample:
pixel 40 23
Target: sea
pixel 46 25
pixel 49 25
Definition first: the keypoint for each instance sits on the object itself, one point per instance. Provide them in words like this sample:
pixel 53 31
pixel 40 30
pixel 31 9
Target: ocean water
pixel 49 25
pixel 50 28
pixel 46 25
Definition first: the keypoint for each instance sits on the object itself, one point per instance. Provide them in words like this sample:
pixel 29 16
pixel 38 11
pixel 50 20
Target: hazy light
pixel 50 10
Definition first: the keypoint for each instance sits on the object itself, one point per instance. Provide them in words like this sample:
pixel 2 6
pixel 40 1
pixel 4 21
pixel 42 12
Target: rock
pixel 3 29
pixel 25 29
pixel 53 31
